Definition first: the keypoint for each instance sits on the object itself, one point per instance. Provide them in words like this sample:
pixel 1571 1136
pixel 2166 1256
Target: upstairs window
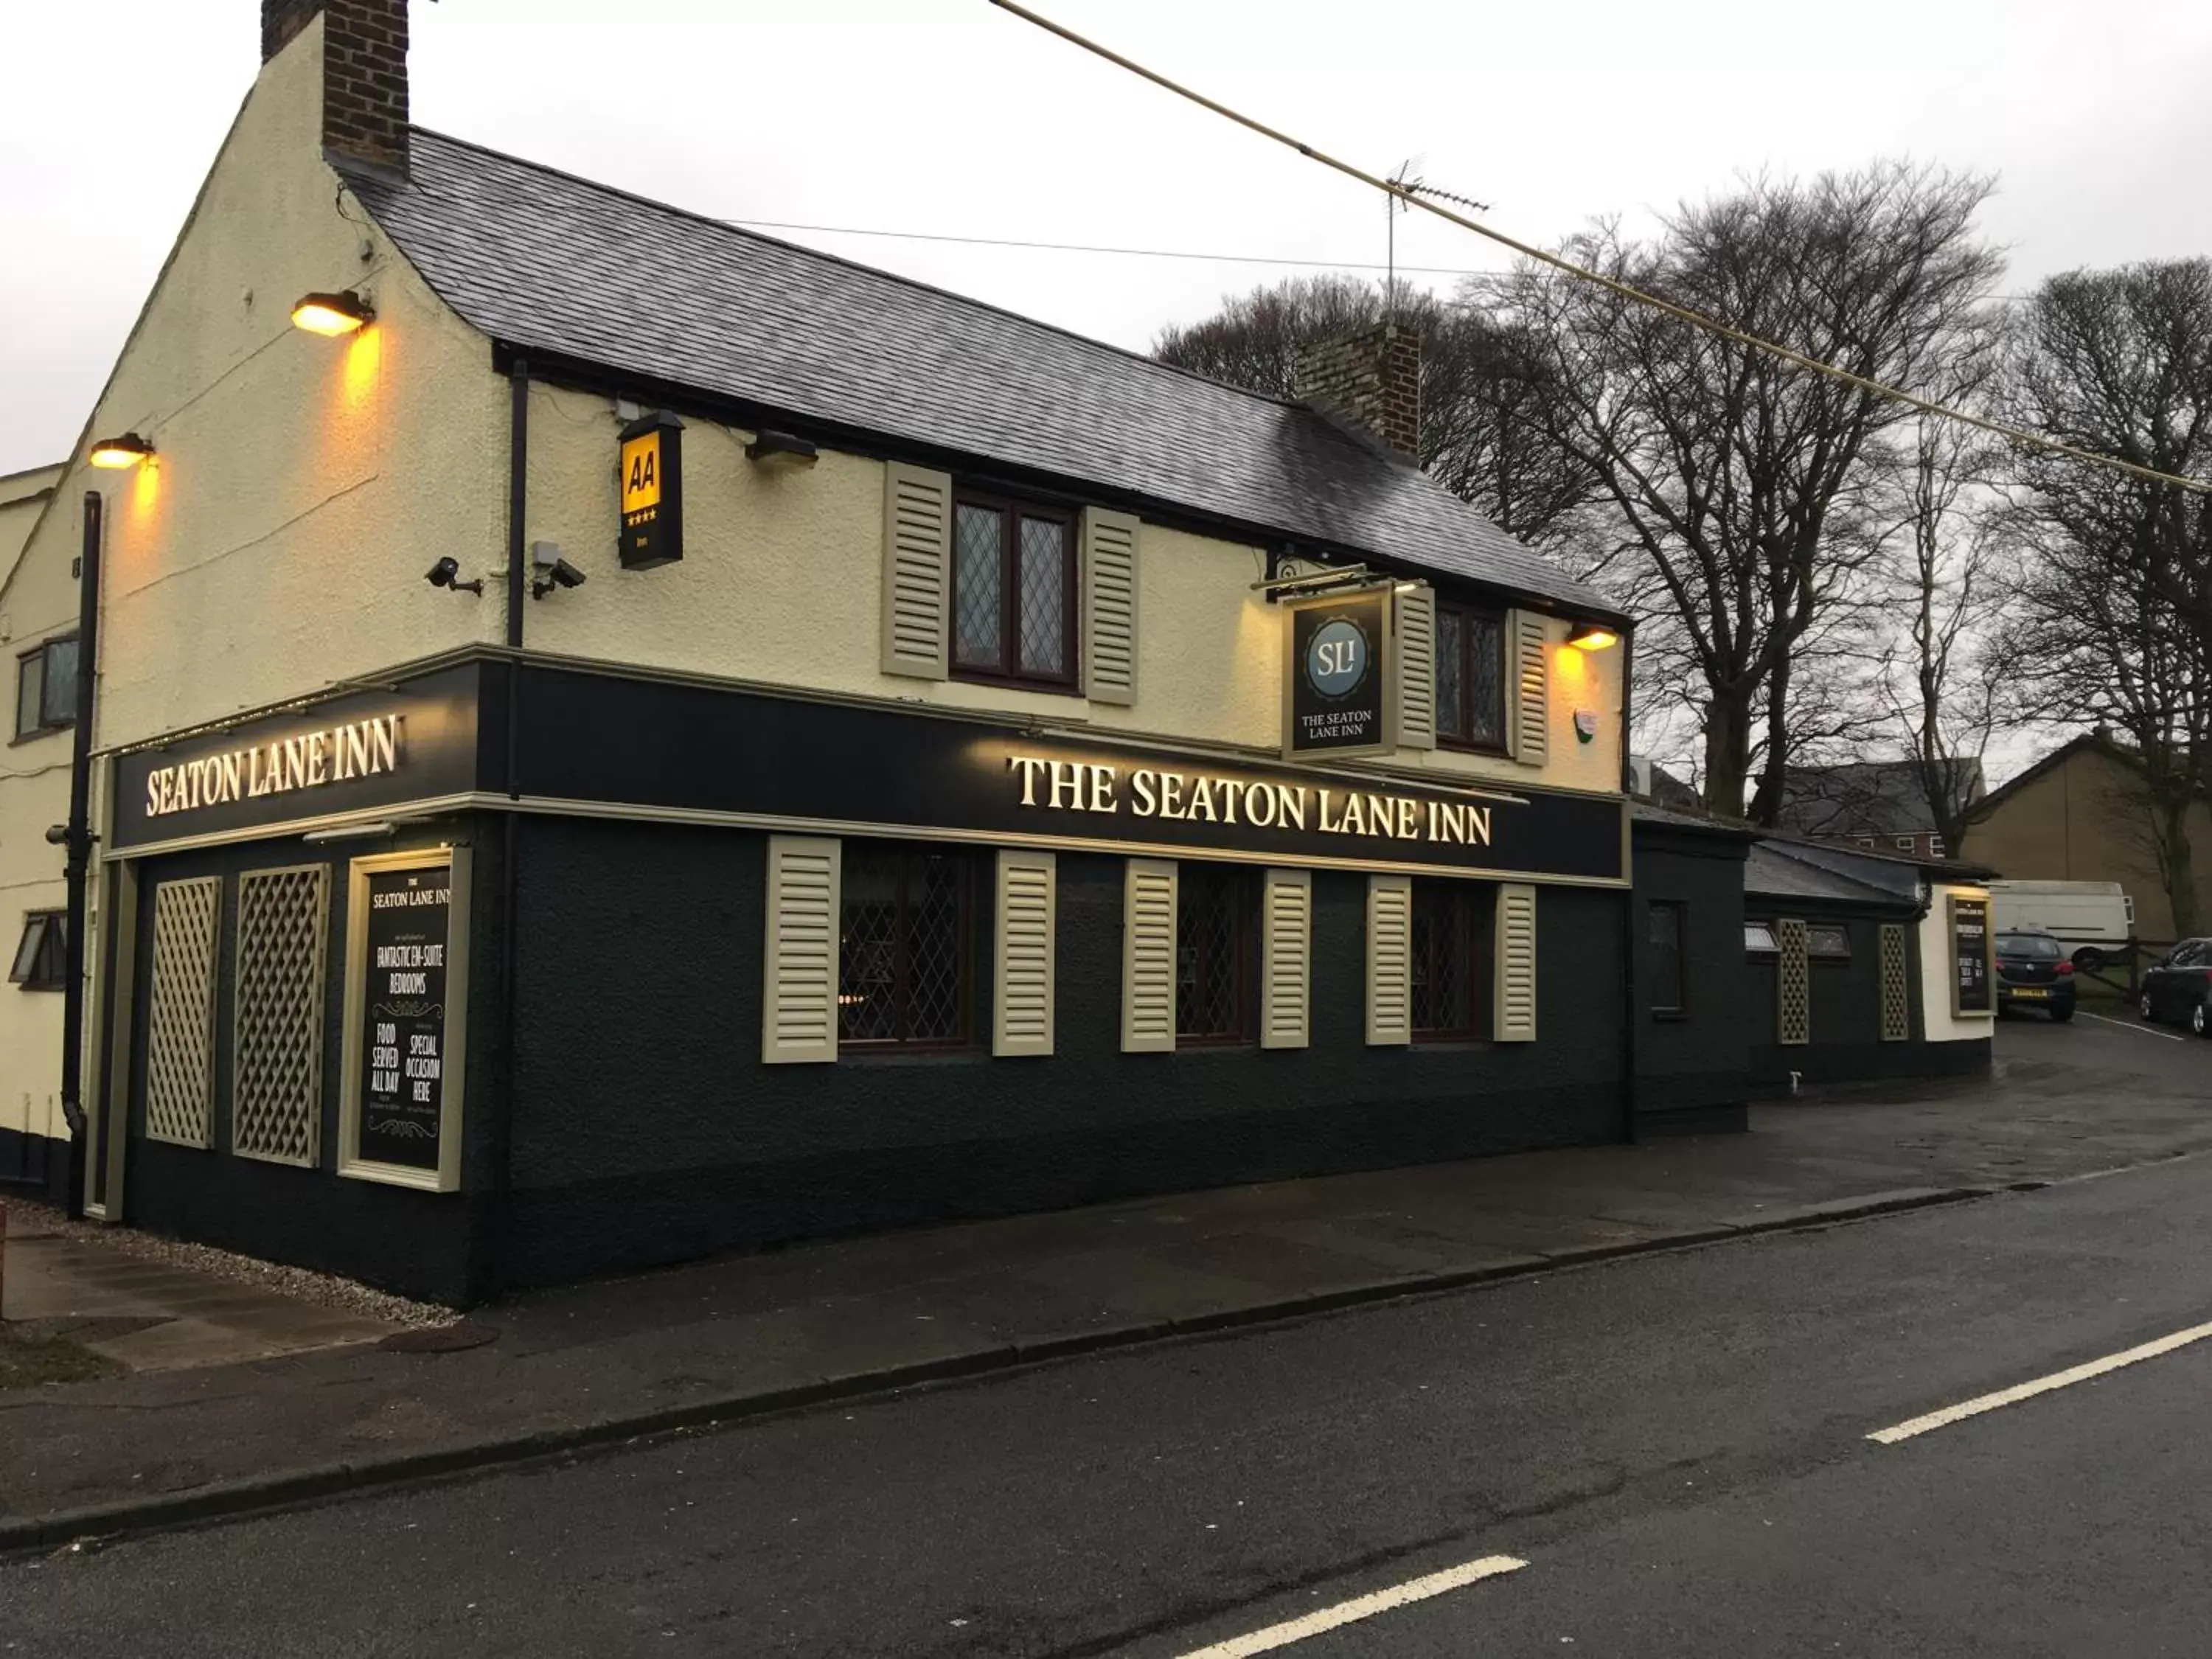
pixel 1013 592
pixel 45 689
pixel 1470 678
pixel 42 954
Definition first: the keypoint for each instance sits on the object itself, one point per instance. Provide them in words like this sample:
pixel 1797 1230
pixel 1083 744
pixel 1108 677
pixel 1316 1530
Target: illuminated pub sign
pixel 1971 991
pixel 651 491
pixel 1336 666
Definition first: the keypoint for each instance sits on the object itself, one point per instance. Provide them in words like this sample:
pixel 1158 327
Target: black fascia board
pixel 582 374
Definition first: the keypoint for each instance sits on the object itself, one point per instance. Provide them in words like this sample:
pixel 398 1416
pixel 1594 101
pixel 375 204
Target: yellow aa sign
pixel 640 469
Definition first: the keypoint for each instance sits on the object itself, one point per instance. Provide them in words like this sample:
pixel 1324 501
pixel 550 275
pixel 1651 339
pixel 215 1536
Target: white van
pixel 2094 920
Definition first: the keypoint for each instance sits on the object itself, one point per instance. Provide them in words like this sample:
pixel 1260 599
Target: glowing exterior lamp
pixel 116 454
pixel 1592 636
pixel 333 314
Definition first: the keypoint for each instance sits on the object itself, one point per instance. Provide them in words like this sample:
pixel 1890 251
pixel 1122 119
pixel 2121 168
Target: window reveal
pixel 1213 954
pixel 1450 960
pixel 1470 678
pixel 1664 930
pixel 905 948
pixel 1013 593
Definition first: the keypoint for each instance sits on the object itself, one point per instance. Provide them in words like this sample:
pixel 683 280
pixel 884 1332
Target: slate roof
pixel 1880 797
pixel 1775 872
pixel 552 264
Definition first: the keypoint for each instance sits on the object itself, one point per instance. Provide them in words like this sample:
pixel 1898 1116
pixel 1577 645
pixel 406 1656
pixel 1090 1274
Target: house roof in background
pixel 1878 798
pixel 550 264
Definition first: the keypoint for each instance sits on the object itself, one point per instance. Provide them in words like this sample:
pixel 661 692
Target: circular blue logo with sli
pixel 1336 658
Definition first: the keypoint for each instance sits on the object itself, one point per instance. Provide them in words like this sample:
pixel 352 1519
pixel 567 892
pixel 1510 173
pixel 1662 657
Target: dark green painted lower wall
pixel 37 1164
pixel 1692 1067
pixel 648 1130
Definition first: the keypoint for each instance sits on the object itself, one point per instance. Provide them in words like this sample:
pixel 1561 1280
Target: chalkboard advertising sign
pixel 406 993
pixel 1336 668
pixel 1972 990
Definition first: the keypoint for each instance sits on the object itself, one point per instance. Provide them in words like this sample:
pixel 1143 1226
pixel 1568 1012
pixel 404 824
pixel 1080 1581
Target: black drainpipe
pixel 76 843
pixel 1631 1016
pixel 517 588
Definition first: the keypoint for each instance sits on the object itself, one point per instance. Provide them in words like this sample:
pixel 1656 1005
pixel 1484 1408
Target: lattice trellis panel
pixel 181 1013
pixel 1793 987
pixel 276 1084
pixel 1896 992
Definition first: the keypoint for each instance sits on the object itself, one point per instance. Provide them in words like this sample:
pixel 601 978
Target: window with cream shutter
pixel 1148 956
pixel 917 570
pixel 1285 957
pixel 1389 960
pixel 1515 1018
pixel 1414 626
pixel 1026 913
pixel 1528 719
pixel 799 997
pixel 1109 606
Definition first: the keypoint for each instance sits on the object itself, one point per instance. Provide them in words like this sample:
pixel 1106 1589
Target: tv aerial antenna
pixel 1407 182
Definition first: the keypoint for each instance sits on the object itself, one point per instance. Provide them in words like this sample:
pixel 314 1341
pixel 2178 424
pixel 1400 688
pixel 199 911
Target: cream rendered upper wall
pixel 300 485
pixel 782 581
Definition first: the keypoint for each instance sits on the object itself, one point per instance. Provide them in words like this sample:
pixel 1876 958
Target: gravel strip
pixel 324 1290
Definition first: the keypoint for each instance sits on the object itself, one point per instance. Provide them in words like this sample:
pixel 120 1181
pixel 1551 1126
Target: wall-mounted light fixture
pixel 333 314
pixel 1592 636
pixel 446 572
pixel 781 447
pixel 117 453
pixel 550 571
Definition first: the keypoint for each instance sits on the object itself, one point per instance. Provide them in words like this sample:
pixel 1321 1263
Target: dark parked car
pixel 2033 971
pixel 2180 987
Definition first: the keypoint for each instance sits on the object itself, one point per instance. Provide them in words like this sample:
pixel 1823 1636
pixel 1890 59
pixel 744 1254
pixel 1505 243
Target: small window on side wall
pixel 1827 941
pixel 1014 603
pixel 1758 938
pixel 1663 930
pixel 42 953
pixel 45 689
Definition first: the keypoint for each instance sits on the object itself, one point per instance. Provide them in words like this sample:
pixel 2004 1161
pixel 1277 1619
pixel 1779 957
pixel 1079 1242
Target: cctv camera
pixel 555 573
pixel 442 574
pixel 567 575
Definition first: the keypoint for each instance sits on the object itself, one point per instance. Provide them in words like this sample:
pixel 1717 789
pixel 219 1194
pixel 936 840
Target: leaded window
pixel 905 971
pixel 1214 915
pixel 1470 677
pixel 1013 592
pixel 1450 960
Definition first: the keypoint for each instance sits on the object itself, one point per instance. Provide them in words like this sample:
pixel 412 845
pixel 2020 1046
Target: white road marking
pixel 1359 1607
pixel 2013 1396
pixel 2130 1025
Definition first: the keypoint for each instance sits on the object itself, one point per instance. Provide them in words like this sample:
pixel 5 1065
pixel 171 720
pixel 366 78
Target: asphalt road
pixel 1675 1446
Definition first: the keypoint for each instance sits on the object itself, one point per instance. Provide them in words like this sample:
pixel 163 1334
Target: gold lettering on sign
pixel 358 749
pixel 1092 787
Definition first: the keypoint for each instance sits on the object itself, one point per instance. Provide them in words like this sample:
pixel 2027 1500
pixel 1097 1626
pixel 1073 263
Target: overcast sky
pixel 951 117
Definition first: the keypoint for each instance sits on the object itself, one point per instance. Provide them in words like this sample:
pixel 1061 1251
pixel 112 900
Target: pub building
pixel 616 736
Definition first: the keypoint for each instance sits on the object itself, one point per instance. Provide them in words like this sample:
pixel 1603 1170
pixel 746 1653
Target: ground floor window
pixel 1215 911
pixel 42 953
pixel 1664 929
pixel 906 953
pixel 1451 960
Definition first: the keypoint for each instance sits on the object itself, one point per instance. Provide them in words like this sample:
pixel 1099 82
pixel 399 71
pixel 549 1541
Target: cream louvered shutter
pixel 1516 1020
pixel 1528 680
pixel 1109 606
pixel 1148 957
pixel 917 570
pixel 1285 957
pixel 799 996
pixel 1415 641
pixel 1022 1017
pixel 1389 960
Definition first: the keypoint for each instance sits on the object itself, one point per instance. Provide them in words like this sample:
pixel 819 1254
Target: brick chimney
pixel 1372 378
pixel 364 72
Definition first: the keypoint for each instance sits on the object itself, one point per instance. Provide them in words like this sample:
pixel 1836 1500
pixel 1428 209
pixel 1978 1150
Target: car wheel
pixel 2142 1007
pixel 2200 1020
pixel 2088 959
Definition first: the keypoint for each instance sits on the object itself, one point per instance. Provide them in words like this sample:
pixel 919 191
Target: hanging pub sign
pixel 1336 669
pixel 651 491
pixel 405 1013
pixel 1971 987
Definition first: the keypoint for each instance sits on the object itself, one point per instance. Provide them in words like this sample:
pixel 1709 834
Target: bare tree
pixel 2116 598
pixel 1744 488
pixel 1485 387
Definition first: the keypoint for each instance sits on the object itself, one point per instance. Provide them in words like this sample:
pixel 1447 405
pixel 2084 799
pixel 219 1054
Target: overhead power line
pixel 1627 291
pixel 1092 247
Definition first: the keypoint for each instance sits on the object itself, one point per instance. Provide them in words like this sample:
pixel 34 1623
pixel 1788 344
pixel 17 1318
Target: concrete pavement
pixel 1676 1443
pixel 751 1335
